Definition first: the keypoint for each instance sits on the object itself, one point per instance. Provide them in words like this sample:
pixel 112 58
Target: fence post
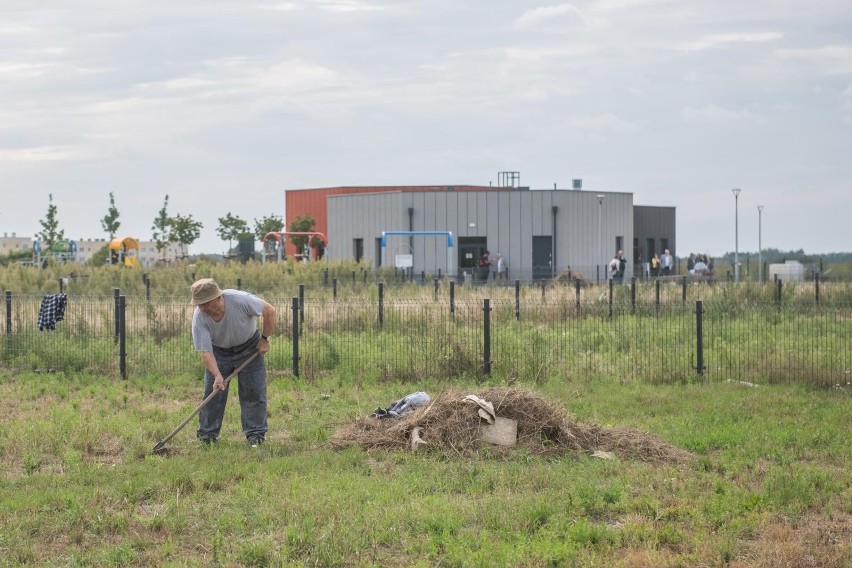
pixel 778 293
pixel 453 299
pixel 296 325
pixel 657 294
pixel 517 299
pixel 8 312
pixel 325 277
pixel 816 287
pixel 381 304
pixel 699 337
pixel 61 286
pixel 436 288
pixel 148 289
pixel 334 288
pixel 122 341
pixel 611 285
pixel 301 307
pixel 486 328
pixel 633 294
pixel 683 290
pixel 116 293
pixel 365 277
pixel 239 283
pixel 577 291
pixel 597 274
pixel 353 277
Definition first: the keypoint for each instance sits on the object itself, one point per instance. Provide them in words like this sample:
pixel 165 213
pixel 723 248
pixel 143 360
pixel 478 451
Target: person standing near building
pixel 613 268
pixel 666 262
pixel 622 266
pixel 224 331
pixel 502 267
pixel 655 265
pixel 484 265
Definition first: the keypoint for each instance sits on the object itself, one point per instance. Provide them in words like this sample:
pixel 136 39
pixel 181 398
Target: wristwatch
pixel 266 337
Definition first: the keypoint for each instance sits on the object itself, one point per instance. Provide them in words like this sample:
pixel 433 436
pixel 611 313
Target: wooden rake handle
pixel 204 402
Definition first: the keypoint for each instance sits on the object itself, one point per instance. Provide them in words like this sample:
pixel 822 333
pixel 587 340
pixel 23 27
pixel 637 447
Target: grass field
pixel 769 484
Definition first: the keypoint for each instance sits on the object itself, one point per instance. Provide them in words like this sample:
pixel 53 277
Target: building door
pixel 358 245
pixel 470 249
pixel 542 257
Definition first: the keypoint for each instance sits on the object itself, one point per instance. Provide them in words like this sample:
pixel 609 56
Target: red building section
pixel 300 202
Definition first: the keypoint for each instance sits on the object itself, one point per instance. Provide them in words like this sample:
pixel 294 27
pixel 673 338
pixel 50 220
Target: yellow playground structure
pixel 122 250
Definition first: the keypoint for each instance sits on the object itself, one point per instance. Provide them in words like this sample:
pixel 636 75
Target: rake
pixel 162 443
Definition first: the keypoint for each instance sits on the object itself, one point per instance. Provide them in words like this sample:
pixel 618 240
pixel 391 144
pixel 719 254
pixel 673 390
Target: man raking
pixel 224 331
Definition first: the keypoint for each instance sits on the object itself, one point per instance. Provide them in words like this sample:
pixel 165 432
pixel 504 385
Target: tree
pixel 50 232
pixel 230 228
pixel 110 222
pixel 269 224
pixel 160 228
pixel 304 224
pixel 184 230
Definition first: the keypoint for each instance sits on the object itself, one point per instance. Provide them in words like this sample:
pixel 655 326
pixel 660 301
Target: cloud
pixel 723 41
pixel 599 124
pixel 713 113
pixel 548 14
pixel 829 59
pixel 45 154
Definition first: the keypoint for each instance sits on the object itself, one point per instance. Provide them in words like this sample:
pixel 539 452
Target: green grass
pixel 770 483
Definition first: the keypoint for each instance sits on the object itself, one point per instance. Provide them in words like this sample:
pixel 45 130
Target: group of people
pixel 496 267
pixel 617 267
pixel 699 264
pixel 662 265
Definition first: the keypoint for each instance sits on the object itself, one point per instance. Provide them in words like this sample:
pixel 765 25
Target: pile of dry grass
pixel 450 425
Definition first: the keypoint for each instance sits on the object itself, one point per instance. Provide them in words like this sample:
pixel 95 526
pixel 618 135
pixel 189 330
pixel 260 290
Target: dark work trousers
pixel 251 387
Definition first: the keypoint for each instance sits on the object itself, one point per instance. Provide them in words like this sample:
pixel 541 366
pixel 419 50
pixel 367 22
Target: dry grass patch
pixel 817 541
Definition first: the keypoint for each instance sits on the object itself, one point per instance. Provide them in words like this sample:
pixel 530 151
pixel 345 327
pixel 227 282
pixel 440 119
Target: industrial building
pixel 539 232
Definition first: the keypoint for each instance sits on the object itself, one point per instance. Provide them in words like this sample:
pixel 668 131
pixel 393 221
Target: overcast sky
pixel 223 105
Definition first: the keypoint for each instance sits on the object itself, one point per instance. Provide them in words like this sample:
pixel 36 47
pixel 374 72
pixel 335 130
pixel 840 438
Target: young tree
pixel 160 229
pixel 185 231
pixel 268 224
pixel 304 224
pixel 110 222
pixel 230 228
pixel 50 232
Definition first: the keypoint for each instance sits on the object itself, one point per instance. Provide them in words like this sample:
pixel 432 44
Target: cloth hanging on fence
pixel 52 310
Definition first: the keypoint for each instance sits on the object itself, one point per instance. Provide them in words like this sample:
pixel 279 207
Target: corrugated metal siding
pixel 508 220
pixel 299 202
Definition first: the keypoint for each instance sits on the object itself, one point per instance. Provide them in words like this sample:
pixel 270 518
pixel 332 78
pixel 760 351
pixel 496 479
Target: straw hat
pixel 205 290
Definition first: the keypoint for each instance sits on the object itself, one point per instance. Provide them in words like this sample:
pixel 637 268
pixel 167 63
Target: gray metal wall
pixel 508 219
pixel 650 222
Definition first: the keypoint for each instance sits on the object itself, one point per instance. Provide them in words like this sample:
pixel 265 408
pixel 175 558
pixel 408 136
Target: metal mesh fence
pixel 528 338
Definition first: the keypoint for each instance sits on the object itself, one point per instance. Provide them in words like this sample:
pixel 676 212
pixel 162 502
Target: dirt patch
pixel 450 425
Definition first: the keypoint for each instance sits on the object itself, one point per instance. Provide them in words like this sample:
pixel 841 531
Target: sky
pixel 223 105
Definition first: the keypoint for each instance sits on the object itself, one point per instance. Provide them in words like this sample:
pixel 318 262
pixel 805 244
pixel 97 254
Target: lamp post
pixel 759 244
pixel 600 197
pixel 736 192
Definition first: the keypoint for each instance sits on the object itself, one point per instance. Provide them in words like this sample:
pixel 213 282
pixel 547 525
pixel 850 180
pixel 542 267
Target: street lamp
pixel 736 192
pixel 759 244
pixel 600 197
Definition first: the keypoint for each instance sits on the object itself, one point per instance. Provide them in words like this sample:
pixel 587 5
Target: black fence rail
pixel 526 336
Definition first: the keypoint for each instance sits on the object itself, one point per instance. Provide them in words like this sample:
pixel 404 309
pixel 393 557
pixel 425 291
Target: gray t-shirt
pixel 236 327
